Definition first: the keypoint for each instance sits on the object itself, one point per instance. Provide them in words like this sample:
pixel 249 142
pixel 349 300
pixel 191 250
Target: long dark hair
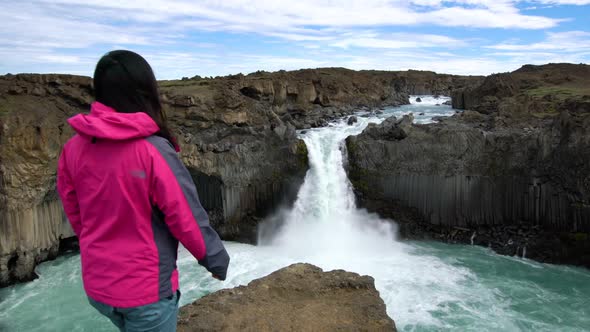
pixel 124 80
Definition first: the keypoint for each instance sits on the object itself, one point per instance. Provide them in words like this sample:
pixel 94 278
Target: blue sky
pixel 209 38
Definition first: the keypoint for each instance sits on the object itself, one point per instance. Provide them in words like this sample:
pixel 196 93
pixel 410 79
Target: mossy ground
pixel 301 151
pixel 559 92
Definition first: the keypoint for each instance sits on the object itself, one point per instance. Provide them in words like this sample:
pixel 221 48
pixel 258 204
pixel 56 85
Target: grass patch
pixel 559 92
pixel 549 112
pixel 302 154
pixel 176 83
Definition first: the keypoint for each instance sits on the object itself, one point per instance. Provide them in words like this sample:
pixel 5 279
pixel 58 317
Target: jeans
pixel 155 317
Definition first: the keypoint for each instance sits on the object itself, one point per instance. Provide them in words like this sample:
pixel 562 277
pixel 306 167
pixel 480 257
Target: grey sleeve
pixel 216 259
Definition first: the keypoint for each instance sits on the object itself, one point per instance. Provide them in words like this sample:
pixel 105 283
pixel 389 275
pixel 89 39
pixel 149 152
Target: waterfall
pixel 325 216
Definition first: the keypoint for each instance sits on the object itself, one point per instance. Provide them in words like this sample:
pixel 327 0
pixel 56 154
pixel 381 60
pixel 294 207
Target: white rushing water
pixel 426 286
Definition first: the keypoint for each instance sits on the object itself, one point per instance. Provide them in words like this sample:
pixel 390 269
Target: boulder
pixel 300 297
pixel 183 101
pixel 352 120
pixel 392 128
pixel 418 100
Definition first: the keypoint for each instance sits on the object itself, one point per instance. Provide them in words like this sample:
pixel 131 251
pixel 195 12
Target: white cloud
pixel 397 41
pixel 283 15
pixel 484 17
pixel 26 24
pixel 297 37
pixel 429 3
pixel 59 58
pixel 59 24
pixel 570 41
pixel 565 2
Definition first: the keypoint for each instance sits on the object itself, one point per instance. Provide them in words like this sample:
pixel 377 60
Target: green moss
pixel 550 111
pixel 358 177
pixel 302 153
pixel 351 146
pixel 9 106
pixel 558 92
pixel 580 205
pixel 581 236
pixel 177 83
pixel 276 176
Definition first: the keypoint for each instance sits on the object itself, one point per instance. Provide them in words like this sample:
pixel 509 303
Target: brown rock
pixel 300 297
pixel 184 101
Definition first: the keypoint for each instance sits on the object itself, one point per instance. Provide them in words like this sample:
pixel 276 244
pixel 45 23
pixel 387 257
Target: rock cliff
pixel 237 135
pixel 300 297
pixel 513 175
pixel 33 111
pixel 429 83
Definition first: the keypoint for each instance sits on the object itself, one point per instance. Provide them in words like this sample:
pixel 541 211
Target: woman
pixel 130 200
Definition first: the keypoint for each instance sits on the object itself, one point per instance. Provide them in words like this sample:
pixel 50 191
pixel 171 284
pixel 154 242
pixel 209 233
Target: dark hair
pixel 124 80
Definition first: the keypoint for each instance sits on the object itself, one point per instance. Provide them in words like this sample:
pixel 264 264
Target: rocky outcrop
pixel 304 98
pixel 309 98
pixel 541 84
pixel 300 297
pixel 429 83
pixel 514 176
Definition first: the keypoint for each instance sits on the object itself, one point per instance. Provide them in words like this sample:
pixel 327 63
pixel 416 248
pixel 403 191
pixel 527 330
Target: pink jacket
pixel 130 200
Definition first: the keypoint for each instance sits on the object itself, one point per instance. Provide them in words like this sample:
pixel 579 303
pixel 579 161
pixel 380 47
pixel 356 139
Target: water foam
pixel 428 100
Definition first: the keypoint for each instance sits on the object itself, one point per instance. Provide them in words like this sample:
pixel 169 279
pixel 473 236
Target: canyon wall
pixel 513 173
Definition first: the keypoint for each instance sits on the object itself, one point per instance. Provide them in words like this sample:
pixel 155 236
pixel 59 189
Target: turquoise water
pixel 494 293
pixel 425 286
pixel 523 294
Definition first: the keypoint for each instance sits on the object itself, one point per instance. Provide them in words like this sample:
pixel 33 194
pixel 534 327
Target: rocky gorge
pixel 511 172
pixel 237 137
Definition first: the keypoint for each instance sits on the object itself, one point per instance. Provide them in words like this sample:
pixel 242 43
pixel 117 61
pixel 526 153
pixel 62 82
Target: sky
pixel 211 38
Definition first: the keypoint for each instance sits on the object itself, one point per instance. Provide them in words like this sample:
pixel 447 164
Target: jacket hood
pixel 104 122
